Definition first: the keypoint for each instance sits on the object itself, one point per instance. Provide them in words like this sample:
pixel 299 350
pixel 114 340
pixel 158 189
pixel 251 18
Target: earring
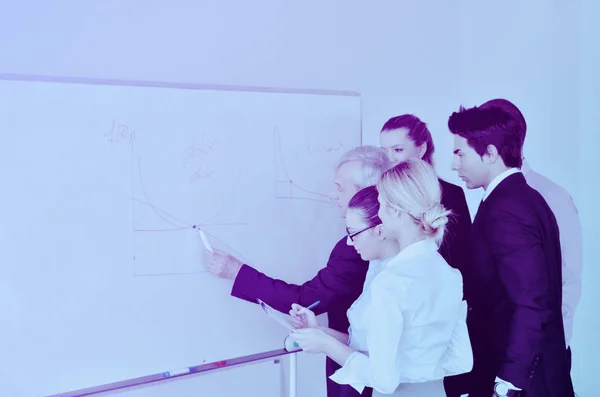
pixel 382 238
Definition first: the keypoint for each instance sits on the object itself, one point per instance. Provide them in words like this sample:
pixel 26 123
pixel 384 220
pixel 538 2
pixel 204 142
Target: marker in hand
pixel 204 240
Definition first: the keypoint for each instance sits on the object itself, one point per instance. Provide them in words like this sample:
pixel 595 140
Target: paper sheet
pixel 284 319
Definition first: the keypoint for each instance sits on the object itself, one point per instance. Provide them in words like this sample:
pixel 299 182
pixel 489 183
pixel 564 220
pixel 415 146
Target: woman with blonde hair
pixel 408 327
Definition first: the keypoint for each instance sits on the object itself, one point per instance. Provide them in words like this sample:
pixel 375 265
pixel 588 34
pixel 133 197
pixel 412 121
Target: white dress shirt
pixel 409 323
pixel 496 181
pixel 569 225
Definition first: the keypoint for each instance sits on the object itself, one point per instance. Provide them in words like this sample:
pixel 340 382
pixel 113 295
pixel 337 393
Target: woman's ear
pixel 379 232
pixel 422 150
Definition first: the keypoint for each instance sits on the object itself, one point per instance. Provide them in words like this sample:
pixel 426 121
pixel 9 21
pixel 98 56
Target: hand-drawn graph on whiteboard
pixel 287 167
pixel 174 193
pixel 116 170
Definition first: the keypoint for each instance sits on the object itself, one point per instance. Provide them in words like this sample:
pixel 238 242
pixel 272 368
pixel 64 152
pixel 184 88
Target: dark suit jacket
pixel 455 249
pixel 340 283
pixel 455 246
pixel 514 289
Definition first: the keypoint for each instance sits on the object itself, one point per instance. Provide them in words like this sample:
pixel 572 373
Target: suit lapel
pixel 480 210
pixel 511 182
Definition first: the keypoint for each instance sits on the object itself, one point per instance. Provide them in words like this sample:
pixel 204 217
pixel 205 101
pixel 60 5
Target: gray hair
pixel 373 160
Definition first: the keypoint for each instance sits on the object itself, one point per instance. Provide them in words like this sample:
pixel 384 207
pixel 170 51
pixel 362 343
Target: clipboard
pixel 284 319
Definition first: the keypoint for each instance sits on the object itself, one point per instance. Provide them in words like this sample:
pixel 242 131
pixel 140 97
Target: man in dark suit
pixel 338 284
pixel 513 281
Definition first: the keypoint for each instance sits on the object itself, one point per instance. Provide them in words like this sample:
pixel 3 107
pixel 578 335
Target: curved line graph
pixel 175 227
pixel 202 226
pixel 239 174
pixel 175 223
pixel 149 202
pixel 286 181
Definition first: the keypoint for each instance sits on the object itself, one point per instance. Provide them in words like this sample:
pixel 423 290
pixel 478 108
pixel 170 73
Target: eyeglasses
pixel 352 235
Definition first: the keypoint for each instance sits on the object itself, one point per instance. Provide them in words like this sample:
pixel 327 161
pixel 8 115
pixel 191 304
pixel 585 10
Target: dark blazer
pixel 337 286
pixel 455 246
pixel 513 285
pixel 455 250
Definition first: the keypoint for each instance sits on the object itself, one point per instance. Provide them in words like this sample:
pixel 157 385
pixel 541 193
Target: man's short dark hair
pixel 509 108
pixel 490 126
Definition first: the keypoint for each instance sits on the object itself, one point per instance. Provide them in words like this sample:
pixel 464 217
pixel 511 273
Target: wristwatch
pixel 501 390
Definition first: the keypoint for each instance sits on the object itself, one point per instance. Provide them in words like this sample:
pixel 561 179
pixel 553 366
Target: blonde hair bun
pixel 413 186
pixel 434 220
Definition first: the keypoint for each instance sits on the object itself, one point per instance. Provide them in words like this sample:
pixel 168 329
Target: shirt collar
pixel 415 249
pixel 496 181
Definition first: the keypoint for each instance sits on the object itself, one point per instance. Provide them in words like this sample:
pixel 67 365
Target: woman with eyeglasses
pixel 408 327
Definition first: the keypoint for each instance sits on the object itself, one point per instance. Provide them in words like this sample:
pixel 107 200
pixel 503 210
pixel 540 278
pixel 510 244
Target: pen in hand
pixel 297 319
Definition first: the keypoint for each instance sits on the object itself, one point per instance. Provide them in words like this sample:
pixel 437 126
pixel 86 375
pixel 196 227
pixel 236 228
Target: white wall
pixel 586 344
pixel 424 57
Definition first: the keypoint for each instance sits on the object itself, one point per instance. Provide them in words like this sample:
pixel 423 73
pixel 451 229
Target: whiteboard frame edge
pixel 163 84
pixel 188 86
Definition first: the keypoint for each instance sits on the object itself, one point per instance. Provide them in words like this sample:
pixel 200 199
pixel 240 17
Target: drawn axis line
pixel 279 159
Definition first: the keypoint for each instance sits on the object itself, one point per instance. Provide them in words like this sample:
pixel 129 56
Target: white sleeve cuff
pixel 508 384
pixel 351 373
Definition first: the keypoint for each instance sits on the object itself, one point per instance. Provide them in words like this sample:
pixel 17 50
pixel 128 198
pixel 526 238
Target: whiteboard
pixel 103 183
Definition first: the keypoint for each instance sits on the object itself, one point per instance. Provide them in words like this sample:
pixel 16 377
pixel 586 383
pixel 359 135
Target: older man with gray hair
pixel 339 283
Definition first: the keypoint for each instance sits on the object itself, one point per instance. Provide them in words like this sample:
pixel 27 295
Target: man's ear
pixel 491 154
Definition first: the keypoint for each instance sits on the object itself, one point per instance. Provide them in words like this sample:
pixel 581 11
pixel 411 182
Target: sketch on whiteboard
pixel 173 223
pixel 325 149
pixel 285 186
pixel 160 226
pixel 120 132
pixel 199 159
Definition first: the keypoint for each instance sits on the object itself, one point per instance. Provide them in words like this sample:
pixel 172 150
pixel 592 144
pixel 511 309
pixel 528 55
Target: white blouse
pixel 409 323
